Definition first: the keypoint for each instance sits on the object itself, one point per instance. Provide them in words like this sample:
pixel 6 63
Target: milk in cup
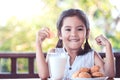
pixel 57 65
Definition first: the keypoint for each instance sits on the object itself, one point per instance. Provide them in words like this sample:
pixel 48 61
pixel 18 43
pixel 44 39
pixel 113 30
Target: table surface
pixel 39 79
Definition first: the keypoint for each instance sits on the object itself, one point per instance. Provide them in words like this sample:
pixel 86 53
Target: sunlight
pixel 22 9
pixel 115 12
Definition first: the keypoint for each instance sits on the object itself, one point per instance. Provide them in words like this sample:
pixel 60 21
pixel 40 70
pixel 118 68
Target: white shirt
pixel 80 61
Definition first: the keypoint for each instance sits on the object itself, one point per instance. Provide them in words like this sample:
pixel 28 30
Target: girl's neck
pixel 72 54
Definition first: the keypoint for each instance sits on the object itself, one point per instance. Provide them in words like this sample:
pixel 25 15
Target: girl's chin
pixel 74 48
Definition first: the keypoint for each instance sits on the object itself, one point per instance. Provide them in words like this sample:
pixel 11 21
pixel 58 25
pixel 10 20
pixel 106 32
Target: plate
pixel 100 78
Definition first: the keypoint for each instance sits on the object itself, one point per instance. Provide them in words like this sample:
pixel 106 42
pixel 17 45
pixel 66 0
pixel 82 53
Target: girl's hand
pixel 101 40
pixel 42 35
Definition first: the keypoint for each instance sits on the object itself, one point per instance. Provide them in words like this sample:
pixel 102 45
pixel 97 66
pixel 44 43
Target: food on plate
pixel 84 69
pixel 94 69
pixel 97 74
pixel 93 72
pixel 84 75
pixel 76 74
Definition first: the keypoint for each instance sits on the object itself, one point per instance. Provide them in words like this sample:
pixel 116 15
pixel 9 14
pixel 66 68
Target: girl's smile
pixel 73 40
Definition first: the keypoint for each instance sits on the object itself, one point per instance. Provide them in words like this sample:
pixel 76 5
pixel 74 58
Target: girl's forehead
pixel 73 20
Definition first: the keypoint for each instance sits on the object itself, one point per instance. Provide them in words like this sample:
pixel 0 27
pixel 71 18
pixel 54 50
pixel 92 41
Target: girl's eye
pixel 68 29
pixel 80 29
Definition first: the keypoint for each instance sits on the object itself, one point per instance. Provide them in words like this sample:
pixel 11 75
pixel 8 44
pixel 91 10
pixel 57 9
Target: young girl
pixel 73 32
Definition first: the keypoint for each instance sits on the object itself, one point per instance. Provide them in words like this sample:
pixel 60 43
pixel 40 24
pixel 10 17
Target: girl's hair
pixel 82 16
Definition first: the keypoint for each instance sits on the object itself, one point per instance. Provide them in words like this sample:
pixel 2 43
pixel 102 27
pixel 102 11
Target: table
pixel 40 79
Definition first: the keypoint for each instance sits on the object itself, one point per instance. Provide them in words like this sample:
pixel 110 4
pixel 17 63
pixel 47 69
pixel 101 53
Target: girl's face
pixel 73 33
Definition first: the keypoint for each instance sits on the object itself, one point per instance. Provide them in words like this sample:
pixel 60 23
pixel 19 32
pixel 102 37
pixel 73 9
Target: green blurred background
pixel 21 19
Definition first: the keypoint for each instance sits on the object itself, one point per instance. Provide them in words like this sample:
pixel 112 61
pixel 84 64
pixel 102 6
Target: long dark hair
pixel 82 16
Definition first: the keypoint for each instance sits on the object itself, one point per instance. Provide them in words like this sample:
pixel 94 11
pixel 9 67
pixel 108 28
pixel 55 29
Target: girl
pixel 73 32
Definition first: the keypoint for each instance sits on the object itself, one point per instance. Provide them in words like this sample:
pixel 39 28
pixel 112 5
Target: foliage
pixel 19 35
pixel 22 65
pixel 5 65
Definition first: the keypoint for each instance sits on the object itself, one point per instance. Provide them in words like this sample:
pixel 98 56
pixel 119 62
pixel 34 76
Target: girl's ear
pixel 59 35
pixel 87 33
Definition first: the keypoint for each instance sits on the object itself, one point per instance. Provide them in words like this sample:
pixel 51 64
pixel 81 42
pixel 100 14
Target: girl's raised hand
pixel 101 40
pixel 43 34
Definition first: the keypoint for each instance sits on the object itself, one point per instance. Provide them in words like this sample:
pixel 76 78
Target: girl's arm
pixel 42 65
pixel 99 61
pixel 108 65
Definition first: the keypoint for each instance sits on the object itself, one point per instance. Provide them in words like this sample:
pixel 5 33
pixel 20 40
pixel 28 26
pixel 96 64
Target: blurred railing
pixel 31 57
pixel 13 57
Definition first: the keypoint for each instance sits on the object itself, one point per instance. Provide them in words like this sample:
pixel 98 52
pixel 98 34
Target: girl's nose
pixel 73 33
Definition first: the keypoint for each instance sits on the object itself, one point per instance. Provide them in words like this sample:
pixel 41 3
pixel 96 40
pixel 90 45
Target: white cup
pixel 57 65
